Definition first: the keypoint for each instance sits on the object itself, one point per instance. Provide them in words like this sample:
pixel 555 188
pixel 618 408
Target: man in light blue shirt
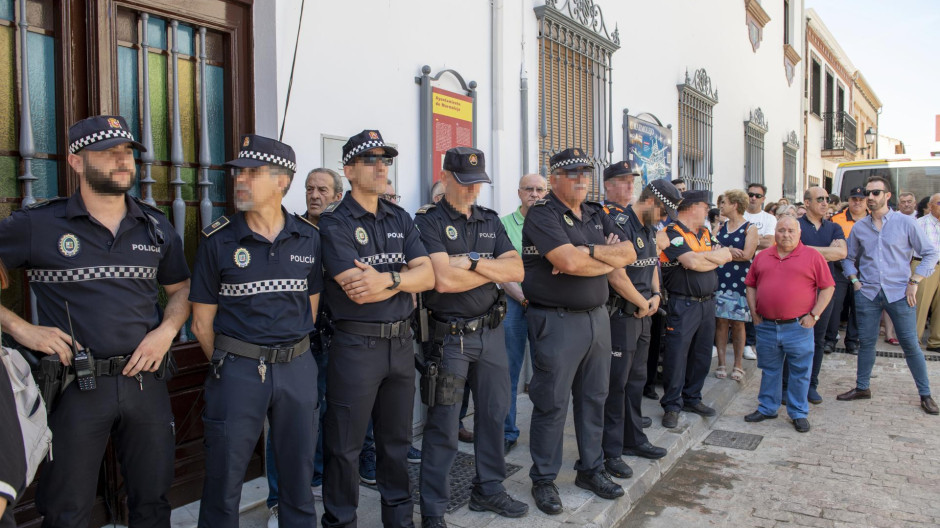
pixel 880 249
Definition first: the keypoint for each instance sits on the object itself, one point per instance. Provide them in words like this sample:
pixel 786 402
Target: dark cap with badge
pixel 667 194
pixel 622 168
pixel 363 142
pixel 857 192
pixel 257 151
pixel 467 165
pixel 100 133
pixel 697 196
pixel 569 159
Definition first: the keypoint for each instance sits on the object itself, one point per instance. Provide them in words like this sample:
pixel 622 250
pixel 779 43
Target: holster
pixel 437 386
pixel 616 303
pixel 54 378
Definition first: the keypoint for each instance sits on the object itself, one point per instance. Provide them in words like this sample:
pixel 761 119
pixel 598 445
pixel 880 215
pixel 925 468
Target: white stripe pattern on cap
pixel 101 135
pixel 570 161
pixel 662 198
pixel 265 286
pixel 93 273
pixel 371 144
pixel 268 158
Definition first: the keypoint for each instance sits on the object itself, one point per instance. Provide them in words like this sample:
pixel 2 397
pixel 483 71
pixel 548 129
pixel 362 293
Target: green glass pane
pixel 156 33
pixel 8 173
pixel 41 74
pixel 47 184
pixel 217 191
pixel 191 234
pixel 159 118
pixel 7 88
pixel 166 210
pixel 6 9
pixel 215 100
pixel 127 88
pixel 189 188
pixel 185 35
pixel 160 188
pixel 187 91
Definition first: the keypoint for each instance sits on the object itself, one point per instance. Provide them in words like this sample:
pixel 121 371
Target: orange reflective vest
pixel 697 244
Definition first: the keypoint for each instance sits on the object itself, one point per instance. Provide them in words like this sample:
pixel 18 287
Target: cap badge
pixel 639 243
pixel 568 220
pixel 242 257
pixel 473 159
pixel 451 232
pixel 361 236
pixel 114 122
pixel 69 245
pixel 373 135
pixel 246 142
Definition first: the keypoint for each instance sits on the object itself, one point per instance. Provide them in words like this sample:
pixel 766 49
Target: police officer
pixel 568 248
pixel 688 262
pixel 635 296
pixel 470 252
pixel 374 260
pixel 105 254
pixel 256 285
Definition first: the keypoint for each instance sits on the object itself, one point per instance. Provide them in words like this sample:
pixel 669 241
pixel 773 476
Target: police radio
pixel 82 360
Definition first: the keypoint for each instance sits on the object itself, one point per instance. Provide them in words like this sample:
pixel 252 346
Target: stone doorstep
pixel 582 508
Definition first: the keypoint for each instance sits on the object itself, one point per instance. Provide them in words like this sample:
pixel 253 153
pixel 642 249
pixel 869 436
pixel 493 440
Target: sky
pixel 896 46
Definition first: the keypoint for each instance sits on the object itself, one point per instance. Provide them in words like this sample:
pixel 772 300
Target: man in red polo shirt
pixel 788 287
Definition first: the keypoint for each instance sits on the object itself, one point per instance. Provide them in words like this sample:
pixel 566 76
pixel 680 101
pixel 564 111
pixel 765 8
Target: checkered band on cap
pixel 570 161
pixel 268 158
pixel 662 198
pixel 362 147
pixel 95 137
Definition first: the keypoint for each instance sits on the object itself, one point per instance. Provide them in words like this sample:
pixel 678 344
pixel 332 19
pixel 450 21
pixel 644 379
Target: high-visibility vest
pixel 698 244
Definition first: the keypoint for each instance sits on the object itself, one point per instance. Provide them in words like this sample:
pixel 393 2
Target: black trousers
pixel 140 423
pixel 623 425
pixel 368 377
pixel 687 354
pixel 843 298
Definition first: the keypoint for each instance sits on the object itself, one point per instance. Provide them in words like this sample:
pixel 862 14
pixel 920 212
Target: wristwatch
pixel 814 316
pixel 474 259
pixel 913 282
pixel 591 250
pixel 396 280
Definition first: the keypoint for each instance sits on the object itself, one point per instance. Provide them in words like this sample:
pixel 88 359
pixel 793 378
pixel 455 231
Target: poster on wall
pixel 650 146
pixel 451 126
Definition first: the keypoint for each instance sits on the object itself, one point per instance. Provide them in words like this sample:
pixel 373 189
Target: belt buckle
pixel 114 365
pixel 394 329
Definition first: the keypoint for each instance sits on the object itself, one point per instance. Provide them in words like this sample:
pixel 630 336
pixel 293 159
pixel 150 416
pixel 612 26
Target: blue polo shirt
pixel 111 282
pixel 262 289
pixel 822 237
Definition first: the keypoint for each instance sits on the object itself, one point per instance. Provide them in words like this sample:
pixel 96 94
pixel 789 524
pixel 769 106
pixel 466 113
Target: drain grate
pixel 733 439
pixel 461 480
pixel 895 355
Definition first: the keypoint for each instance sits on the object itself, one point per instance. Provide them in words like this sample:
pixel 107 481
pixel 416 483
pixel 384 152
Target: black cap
pixel 622 168
pixel 100 133
pixel 695 196
pixel 572 158
pixel 857 192
pixel 667 194
pixel 467 165
pixel 257 151
pixel 364 141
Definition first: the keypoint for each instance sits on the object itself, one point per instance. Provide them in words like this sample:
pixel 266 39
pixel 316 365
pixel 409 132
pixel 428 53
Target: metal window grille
pixel 575 83
pixel 697 98
pixel 790 149
pixel 754 130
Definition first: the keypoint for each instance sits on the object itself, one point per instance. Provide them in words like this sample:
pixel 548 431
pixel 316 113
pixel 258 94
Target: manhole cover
pixel 461 480
pixel 733 439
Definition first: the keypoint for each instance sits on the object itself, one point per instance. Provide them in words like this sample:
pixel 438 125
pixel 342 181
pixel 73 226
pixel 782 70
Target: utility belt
pixel 491 319
pixel 616 303
pixel 562 308
pixel 381 330
pixel 264 354
pixel 692 298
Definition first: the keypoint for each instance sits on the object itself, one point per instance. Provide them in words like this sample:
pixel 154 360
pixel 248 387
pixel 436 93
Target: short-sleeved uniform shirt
pixel 551 224
pixel 386 241
pixel 787 288
pixel 822 237
pixel 109 281
pixel 445 230
pixel 262 289
pixel 676 278
pixel 642 270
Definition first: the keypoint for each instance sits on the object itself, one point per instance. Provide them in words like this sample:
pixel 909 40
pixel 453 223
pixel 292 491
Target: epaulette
pixel 543 201
pixel 43 203
pixel 303 218
pixel 425 208
pixel 148 207
pixel 595 204
pixel 395 205
pixel 215 226
pixel 487 210
pixel 330 208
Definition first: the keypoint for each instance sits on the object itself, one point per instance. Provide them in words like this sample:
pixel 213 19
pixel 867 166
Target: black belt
pixel 563 308
pixel 111 366
pixel 784 321
pixel 270 354
pixel 691 298
pixel 382 330
pixel 616 302
pixel 491 319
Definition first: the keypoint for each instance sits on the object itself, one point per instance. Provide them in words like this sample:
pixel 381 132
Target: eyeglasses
pixel 539 190
pixel 372 160
pixel 755 195
pixel 822 199
pixel 391 197
pixel 876 192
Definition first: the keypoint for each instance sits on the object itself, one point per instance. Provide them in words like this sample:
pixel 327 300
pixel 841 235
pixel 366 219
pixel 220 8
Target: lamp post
pixel 870 136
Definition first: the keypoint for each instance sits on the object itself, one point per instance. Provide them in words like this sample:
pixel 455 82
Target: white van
pixel 921 177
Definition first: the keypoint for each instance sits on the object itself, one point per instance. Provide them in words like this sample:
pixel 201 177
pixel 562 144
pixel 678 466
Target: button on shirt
pixel 386 241
pixel 881 259
pixel 262 289
pixel 110 281
pixel 551 224
pixel 676 278
pixel 822 237
pixel 644 242
pixel 445 230
pixel 931 227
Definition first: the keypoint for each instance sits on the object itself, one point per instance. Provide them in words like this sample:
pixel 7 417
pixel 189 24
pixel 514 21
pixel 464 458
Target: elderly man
pixel 856 210
pixel 907 204
pixel 532 188
pixel 788 287
pixel 928 293
pixel 881 247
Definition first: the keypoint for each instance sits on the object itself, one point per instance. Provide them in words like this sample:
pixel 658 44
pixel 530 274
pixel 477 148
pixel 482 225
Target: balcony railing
pixel 839 131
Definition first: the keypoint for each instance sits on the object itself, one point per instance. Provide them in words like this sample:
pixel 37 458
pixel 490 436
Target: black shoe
pixel 699 408
pixel 645 450
pixel 508 445
pixel 546 497
pixel 599 483
pixel 933 349
pixel 801 425
pixel 851 349
pixel 433 522
pixel 500 504
pixel 829 347
pixel 758 416
pixel 618 468
pixel 671 419
pixel 646 421
pixel 928 405
pixel 650 392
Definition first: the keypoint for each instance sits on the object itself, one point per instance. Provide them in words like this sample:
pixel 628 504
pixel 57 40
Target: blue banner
pixel 650 146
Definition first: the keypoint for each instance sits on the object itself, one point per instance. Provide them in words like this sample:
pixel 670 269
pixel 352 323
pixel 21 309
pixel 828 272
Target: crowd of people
pixel 310 322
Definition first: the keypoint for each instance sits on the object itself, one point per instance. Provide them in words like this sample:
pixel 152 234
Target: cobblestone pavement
pixel 864 463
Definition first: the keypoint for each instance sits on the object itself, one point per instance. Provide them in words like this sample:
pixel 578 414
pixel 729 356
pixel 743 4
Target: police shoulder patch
pixel 215 226
pixel 330 208
pixel 303 219
pixel 677 241
pixel 44 203
pixel 543 201
pixel 425 208
pixel 621 219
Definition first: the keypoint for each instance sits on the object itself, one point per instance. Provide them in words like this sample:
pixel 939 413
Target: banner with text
pixel 452 125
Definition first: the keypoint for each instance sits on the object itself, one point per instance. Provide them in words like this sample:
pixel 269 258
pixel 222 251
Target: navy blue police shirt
pixel 386 241
pixel 676 278
pixel 823 237
pixel 643 238
pixel 445 230
pixel 110 282
pixel 262 289
pixel 548 225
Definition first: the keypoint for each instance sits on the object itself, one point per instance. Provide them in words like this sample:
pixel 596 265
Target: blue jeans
pixel 775 343
pixel 322 360
pixel 904 318
pixel 517 331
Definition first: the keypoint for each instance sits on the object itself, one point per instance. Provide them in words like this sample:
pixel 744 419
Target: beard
pixel 102 183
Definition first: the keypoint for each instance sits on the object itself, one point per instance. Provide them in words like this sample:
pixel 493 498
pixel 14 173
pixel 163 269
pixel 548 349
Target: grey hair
pixel 337 180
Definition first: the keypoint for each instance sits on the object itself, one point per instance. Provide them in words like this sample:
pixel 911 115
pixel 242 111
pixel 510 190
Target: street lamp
pixel 869 138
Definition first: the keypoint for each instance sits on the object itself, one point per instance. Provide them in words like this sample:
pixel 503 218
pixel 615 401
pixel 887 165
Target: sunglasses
pixel 577 174
pixel 539 190
pixel 755 195
pixel 876 192
pixel 372 160
pixel 822 199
